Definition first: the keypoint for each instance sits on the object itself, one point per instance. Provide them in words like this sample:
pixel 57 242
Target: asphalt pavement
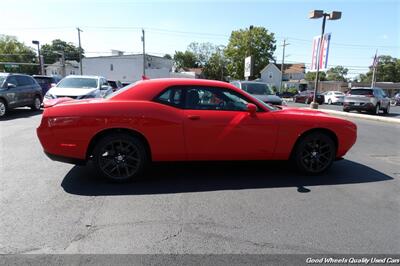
pixel 51 207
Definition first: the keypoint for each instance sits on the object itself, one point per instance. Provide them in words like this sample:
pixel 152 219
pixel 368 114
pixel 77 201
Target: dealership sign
pixel 248 66
pixel 320 54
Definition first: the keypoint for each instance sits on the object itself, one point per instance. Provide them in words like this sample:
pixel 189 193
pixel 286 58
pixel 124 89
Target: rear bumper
pixel 361 107
pixel 64 159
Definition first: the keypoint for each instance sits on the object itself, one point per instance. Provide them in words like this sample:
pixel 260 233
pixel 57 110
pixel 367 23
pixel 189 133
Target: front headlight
pixel 48 95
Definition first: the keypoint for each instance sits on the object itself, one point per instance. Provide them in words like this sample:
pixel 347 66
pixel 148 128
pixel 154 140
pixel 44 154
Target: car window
pixel 201 98
pixel 361 92
pixel 172 96
pixel 12 80
pixel 78 83
pixel 257 88
pixel 23 81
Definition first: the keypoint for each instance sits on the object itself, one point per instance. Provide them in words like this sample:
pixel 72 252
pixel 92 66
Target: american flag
pixel 376 59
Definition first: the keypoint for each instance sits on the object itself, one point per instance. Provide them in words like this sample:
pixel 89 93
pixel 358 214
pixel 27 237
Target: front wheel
pixel 3 108
pixel 329 101
pixel 120 157
pixel 36 104
pixel 314 153
pixel 387 109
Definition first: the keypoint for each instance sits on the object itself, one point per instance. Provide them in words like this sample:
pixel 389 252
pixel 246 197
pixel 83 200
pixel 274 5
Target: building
pixel 57 69
pixel 127 68
pixel 293 75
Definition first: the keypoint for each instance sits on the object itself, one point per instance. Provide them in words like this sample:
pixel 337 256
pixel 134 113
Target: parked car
pixel 79 87
pixel 334 97
pixel 395 100
pixel 307 97
pixel 17 90
pixel 367 99
pixel 260 90
pixel 115 84
pixel 188 120
pixel 46 82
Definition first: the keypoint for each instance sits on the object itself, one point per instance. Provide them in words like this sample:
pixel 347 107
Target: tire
pixel 329 101
pixel 376 109
pixel 314 153
pixel 3 108
pixel 37 102
pixel 120 157
pixel 307 101
pixel 387 109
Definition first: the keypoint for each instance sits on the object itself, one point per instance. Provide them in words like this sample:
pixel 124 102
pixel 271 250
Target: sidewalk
pixel 361 116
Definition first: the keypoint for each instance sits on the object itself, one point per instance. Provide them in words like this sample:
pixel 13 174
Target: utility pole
pixel 283 64
pixel 374 65
pixel 144 55
pixel 80 50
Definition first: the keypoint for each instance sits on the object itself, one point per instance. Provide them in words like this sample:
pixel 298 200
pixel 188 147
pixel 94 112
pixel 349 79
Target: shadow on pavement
pixel 20 113
pixel 168 178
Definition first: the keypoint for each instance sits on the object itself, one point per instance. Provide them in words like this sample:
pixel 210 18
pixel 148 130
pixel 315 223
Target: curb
pixel 362 116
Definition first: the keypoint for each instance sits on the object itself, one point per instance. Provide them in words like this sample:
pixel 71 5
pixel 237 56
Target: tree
pixel 256 41
pixel 337 73
pixel 310 76
pixel 215 68
pixel 202 51
pixel 388 70
pixel 167 56
pixel 70 50
pixel 11 50
pixel 185 59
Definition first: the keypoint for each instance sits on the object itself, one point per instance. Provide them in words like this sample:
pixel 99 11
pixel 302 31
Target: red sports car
pixel 188 120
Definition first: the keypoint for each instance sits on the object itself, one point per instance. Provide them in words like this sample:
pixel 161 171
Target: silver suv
pixel 367 99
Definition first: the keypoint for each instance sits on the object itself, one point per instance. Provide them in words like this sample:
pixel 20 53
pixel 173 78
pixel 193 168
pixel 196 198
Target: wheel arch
pixel 4 100
pixel 99 135
pixel 326 131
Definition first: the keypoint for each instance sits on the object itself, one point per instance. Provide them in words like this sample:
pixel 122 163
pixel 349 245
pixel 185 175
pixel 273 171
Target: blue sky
pixel 171 25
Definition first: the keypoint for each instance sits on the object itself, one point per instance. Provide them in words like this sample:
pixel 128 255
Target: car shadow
pixel 20 113
pixel 165 178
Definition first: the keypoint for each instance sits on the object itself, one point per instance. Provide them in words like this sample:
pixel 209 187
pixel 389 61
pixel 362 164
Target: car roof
pixel 155 86
pixel 362 88
pixel 84 76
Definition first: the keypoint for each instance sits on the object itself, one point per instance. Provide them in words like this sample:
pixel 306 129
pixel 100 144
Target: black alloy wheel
pixel 315 153
pixel 37 102
pixel 120 157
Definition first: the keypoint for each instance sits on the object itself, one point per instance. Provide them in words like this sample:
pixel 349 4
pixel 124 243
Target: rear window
pixel 44 80
pixel 361 92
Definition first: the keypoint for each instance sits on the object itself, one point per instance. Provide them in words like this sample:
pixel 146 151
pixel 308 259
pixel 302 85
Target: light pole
pixel 334 15
pixel 41 70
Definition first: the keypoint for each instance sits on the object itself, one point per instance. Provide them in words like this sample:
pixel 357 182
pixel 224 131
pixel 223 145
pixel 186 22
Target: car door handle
pixel 194 117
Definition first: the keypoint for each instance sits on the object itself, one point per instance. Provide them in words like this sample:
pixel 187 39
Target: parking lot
pixel 262 207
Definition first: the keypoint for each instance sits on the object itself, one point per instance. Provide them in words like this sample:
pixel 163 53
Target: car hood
pixel 302 111
pixel 70 91
pixel 268 98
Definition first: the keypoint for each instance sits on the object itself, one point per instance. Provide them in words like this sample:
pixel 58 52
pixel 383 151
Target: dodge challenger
pixel 188 120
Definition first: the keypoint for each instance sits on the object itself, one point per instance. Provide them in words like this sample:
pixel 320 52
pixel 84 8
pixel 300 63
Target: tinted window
pixel 172 96
pixel 214 99
pixel 257 88
pixel 24 81
pixel 361 92
pixel 12 80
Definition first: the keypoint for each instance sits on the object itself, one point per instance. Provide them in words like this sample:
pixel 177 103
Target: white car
pixel 80 87
pixel 334 97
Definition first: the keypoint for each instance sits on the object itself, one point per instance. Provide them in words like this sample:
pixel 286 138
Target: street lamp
pixel 315 14
pixel 39 56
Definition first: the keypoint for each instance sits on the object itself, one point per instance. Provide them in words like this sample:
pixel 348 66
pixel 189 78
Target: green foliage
pixel 167 56
pixel 70 50
pixel 11 50
pixel 337 73
pixel 388 70
pixel 257 42
pixel 202 51
pixel 185 59
pixel 215 68
pixel 292 90
pixel 310 76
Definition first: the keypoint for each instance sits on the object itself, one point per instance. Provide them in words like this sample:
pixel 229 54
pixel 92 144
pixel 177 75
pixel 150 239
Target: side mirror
pixel 11 85
pixel 252 109
pixel 104 87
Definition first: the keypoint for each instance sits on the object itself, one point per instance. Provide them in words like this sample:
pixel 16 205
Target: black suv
pixel 17 90
pixel 46 82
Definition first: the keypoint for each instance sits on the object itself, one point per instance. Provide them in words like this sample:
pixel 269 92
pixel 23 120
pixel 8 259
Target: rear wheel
pixel 307 101
pixel 120 157
pixel 314 153
pixel 3 108
pixel 387 109
pixel 36 103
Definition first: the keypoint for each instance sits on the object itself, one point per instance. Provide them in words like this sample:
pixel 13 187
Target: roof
pixel 125 56
pixel 83 76
pixel 288 68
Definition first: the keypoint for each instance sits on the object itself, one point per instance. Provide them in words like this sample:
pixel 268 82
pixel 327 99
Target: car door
pixel 385 101
pixel 24 90
pixel 217 126
pixel 13 93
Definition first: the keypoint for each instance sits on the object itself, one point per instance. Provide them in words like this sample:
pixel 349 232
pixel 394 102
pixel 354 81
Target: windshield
pixel 257 88
pixel 83 83
pixel 339 93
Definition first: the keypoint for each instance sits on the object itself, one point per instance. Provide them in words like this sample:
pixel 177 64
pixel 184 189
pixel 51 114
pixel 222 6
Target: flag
pixel 376 60
pixel 320 54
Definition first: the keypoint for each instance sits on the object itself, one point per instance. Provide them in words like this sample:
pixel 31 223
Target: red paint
pixel 175 134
